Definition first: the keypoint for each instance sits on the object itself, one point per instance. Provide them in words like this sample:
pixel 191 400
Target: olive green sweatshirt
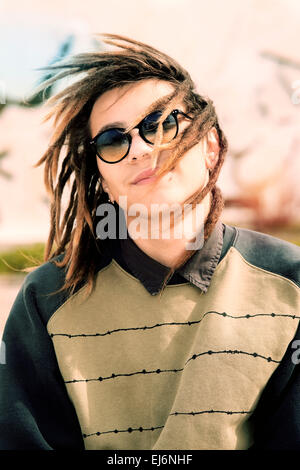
pixel 210 363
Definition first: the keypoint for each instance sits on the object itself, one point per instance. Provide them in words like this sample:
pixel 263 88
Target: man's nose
pixel 139 148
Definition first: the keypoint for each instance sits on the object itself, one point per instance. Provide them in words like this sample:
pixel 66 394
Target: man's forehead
pixel 129 101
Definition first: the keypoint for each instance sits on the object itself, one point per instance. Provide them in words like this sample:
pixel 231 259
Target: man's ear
pixel 212 148
pixel 106 189
pixel 104 185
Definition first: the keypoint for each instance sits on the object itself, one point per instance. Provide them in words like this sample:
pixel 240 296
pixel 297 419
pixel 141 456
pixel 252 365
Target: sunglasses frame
pixel 128 136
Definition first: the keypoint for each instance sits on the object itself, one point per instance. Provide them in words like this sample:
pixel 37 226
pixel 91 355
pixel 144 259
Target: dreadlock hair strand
pixel 70 160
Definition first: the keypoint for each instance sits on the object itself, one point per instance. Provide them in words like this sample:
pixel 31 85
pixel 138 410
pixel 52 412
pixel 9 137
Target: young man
pixel 146 335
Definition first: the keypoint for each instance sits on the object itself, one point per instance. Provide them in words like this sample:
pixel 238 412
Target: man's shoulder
pixel 43 287
pixel 46 277
pixel 266 252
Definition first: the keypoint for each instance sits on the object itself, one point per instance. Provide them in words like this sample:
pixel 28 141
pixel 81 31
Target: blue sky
pixel 28 43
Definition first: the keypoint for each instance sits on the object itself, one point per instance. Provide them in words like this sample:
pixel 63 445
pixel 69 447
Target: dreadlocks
pixel 70 159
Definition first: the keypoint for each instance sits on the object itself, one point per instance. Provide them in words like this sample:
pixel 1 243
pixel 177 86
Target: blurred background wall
pixel 243 54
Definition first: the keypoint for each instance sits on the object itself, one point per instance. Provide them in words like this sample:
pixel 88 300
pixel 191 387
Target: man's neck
pixel 167 251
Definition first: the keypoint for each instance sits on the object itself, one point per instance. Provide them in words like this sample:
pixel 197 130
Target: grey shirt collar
pixel 198 270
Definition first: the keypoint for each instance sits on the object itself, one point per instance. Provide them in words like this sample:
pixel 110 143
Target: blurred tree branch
pixel 4 173
pixel 280 59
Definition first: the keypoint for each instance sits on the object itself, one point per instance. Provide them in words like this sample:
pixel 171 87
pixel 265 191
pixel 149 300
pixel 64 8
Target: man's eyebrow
pixel 111 125
pixel 154 106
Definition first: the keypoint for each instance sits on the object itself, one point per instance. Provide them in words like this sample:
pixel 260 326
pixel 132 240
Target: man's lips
pixel 146 175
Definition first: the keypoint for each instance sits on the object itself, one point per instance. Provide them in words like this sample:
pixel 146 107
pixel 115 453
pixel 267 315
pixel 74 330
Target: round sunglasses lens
pixel 150 126
pixel 169 128
pixel 112 145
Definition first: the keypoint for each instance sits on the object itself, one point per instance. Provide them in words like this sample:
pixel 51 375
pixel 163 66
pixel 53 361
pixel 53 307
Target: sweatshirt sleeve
pixel 276 420
pixel 35 409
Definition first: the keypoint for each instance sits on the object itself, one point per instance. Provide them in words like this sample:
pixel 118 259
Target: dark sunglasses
pixel 113 145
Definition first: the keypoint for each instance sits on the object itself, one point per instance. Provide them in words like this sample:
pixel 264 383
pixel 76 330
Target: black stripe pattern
pixel 160 371
pixel 154 428
pixel 188 323
pixel 174 371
